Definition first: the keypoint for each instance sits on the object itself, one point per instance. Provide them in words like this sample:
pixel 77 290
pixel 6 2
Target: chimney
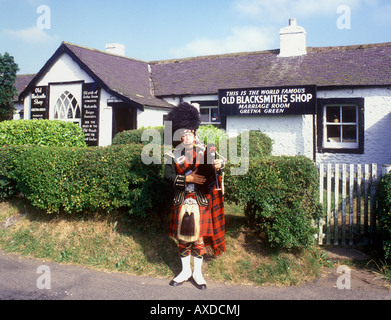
pixel 292 40
pixel 116 48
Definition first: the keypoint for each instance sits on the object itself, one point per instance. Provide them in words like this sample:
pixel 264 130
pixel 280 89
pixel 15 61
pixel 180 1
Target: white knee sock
pixel 197 273
pixel 186 270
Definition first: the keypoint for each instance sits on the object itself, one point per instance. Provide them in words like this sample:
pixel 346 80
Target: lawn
pixel 115 243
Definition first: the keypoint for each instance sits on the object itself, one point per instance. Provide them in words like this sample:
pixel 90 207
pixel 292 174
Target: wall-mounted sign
pixel 90 113
pixel 39 103
pixel 268 101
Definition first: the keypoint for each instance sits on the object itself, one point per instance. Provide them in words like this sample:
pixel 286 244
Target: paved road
pixel 22 278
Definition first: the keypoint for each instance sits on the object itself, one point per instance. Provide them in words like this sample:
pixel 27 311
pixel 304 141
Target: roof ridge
pixel 102 51
pixel 350 47
pixel 270 51
pixel 221 55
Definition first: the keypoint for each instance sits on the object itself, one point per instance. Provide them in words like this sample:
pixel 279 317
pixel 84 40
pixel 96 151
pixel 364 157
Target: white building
pixel 103 92
pixel 331 104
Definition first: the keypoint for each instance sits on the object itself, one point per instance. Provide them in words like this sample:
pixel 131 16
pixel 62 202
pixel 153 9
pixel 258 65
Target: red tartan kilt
pixel 206 226
pixel 212 221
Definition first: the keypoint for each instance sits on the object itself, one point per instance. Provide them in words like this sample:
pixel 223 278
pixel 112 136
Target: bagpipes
pixel 208 169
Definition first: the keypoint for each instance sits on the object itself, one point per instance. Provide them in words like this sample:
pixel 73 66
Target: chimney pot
pixel 293 22
pixel 292 40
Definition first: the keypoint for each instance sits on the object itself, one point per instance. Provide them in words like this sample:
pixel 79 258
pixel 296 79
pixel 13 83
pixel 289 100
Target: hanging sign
pixel 292 100
pixel 90 113
pixel 39 103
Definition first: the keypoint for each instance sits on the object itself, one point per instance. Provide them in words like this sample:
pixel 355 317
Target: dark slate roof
pixel 126 76
pixel 21 82
pixel 359 65
pixel 128 79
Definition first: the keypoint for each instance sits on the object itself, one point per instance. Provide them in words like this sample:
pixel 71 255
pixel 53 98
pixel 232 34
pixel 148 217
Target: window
pixel 209 112
pixel 209 115
pixel 341 125
pixel 67 108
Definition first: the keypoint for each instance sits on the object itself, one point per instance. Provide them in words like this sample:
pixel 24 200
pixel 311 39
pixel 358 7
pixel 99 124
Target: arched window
pixel 67 108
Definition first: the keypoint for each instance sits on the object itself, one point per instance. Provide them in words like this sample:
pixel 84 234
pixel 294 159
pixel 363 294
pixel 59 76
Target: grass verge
pixel 116 243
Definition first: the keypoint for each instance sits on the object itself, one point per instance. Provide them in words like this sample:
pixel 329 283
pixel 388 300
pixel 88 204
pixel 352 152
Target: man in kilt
pixel 197 218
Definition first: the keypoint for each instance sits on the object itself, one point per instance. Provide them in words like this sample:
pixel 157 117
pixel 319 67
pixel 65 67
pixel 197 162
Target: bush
pixel 260 145
pixel 280 199
pixel 9 156
pixel 384 213
pixel 70 180
pixel 205 133
pixel 134 136
pixel 41 133
pixel 210 134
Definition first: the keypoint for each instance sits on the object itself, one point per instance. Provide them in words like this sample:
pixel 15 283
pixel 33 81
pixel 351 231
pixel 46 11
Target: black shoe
pixel 177 284
pixel 198 286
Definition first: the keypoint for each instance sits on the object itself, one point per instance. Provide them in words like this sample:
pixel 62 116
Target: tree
pixel 8 70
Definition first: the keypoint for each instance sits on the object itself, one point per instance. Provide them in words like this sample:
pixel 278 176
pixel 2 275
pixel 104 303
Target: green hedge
pixel 384 213
pixel 134 136
pixel 260 145
pixel 41 133
pixel 205 133
pixel 280 199
pixel 279 194
pixel 9 157
pixel 70 180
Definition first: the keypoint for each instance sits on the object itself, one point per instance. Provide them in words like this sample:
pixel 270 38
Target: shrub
pixel 384 213
pixel 210 134
pixel 41 133
pixel 279 197
pixel 9 156
pixel 260 145
pixel 73 180
pixel 134 136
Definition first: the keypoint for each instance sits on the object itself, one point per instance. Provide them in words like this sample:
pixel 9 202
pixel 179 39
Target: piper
pixel 197 218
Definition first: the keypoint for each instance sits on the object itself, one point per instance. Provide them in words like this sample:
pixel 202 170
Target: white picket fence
pixel 347 192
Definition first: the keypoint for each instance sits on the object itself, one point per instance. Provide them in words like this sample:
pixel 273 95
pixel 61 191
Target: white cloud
pixel 280 10
pixel 268 17
pixel 32 35
pixel 248 38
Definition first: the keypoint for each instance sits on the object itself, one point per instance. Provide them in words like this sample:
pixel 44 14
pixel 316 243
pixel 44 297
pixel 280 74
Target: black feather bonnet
pixel 184 117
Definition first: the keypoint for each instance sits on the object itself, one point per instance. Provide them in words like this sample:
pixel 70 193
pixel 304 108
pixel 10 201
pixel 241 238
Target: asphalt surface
pixel 29 279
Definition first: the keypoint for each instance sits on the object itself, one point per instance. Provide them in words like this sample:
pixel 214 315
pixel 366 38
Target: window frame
pixel 66 105
pixel 210 108
pixel 322 123
pixel 210 104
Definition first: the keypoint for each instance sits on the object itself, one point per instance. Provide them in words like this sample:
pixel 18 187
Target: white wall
pixel 105 120
pixel 64 70
pixel 377 124
pixel 291 134
pixel 27 107
pixel 176 100
pixel 150 117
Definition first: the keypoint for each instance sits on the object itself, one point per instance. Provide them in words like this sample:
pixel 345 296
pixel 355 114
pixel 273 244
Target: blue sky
pixel 165 29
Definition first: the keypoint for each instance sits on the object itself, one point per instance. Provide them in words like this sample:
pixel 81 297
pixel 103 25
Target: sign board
pixel 291 100
pixel 90 113
pixel 39 103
